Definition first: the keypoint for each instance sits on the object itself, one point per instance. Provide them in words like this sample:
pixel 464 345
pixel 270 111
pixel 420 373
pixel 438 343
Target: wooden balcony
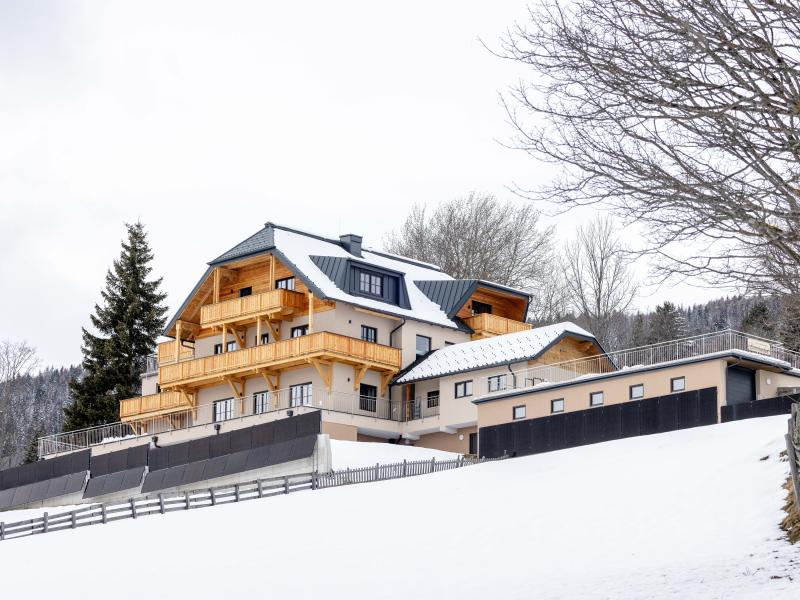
pixel 277 303
pixel 168 352
pixel 154 405
pixel 488 325
pixel 276 356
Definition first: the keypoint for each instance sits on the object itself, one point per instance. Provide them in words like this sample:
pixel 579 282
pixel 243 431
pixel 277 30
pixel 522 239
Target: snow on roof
pixel 489 352
pixel 298 248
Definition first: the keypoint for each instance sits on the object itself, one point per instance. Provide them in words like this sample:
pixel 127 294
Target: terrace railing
pixel 664 352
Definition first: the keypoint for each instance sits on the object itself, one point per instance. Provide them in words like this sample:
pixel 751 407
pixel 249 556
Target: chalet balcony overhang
pixel 487 325
pixel 154 405
pixel 317 349
pixel 275 304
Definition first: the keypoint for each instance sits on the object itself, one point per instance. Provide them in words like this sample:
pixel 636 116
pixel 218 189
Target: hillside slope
pixel 688 514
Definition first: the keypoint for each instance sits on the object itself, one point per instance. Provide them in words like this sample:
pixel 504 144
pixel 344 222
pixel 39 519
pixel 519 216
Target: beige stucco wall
pixel 767 383
pixel 615 389
pixel 340 431
pixel 407 338
pixel 449 442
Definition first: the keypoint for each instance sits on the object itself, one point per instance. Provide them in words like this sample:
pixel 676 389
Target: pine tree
pixel 667 323
pixel 639 336
pixel 32 451
pixel 758 320
pixel 129 321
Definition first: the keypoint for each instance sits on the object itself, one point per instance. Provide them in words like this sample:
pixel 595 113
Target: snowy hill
pixel 687 514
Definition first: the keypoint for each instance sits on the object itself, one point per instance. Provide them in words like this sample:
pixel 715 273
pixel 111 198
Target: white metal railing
pixel 653 354
pixel 151 364
pixel 238 408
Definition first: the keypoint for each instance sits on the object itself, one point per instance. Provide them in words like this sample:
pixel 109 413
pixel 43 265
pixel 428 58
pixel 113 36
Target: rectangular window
pixel 223 410
pixel 264 338
pixel 247 291
pixel 217 348
pixel 518 412
pixel 497 383
pixel 596 399
pixel 637 391
pixel 287 283
pixel 300 395
pixel 433 398
pixel 677 384
pixel 260 403
pixel 229 347
pixel 464 389
pixel 370 283
pixel 557 406
pixel 299 331
pixel 368 397
pixel 423 345
pixel 479 308
pixel 369 334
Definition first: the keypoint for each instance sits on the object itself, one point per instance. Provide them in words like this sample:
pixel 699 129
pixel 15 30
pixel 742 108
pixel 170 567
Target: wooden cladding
pixel 167 352
pixel 279 355
pixel 487 325
pixel 285 302
pixel 164 402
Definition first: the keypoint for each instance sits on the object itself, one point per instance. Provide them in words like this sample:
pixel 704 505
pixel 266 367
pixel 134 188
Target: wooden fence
pixel 793 453
pixel 134 508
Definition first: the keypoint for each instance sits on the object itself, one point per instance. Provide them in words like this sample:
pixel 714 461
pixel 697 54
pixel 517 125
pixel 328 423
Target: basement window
pixel 497 383
pixel 519 412
pixel 637 391
pixel 677 384
pixel 223 410
pixel 596 399
pixel 464 389
pixel 557 406
pixel 287 283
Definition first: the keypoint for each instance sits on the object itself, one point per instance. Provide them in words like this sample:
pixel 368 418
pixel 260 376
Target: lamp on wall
pixel 289 413
pixel 217 427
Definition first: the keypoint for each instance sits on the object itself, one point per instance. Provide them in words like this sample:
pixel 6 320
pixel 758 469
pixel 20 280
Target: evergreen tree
pixel 667 323
pixel 639 337
pixel 129 320
pixel 758 321
pixel 32 451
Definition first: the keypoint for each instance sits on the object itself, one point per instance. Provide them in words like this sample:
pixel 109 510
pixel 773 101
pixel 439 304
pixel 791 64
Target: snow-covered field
pixel 682 515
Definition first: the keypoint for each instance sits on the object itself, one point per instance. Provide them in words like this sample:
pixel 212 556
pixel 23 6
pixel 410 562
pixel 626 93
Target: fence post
pixel 286 484
pixel 314 480
pixel 45 523
pixel 103 515
pixel 236 492
pixel 186 497
pixel 2 530
pixel 405 466
pixel 161 503
pixel 260 489
pixel 377 472
pixel 433 464
pixel 74 519
pixel 213 496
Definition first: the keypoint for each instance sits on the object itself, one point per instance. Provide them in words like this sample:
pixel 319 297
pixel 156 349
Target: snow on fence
pixel 793 452
pixel 134 508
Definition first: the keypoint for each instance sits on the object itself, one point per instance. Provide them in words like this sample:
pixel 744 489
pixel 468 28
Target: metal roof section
pixel 494 351
pixel 258 242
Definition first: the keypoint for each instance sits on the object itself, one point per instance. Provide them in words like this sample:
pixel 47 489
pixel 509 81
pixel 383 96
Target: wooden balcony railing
pixel 165 402
pixel 167 352
pixel 276 301
pixel 486 325
pixel 278 355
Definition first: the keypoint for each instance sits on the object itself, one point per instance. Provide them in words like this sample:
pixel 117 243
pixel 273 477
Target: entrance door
pixel 741 385
pixel 473 443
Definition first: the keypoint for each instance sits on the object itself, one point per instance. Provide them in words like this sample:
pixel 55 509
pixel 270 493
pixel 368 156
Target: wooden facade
pixel 488 325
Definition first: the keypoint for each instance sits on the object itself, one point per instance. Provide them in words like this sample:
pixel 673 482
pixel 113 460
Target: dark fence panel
pixel 600 424
pixel 780 405
pixel 43 470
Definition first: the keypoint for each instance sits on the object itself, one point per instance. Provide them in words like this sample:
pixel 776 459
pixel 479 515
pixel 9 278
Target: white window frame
pixel 630 391
pixel 672 381
pixel 261 402
pixel 553 410
pixel 287 283
pixel 497 383
pixel 300 394
pixel 592 396
pixel 519 412
pixel 466 386
pixel 227 411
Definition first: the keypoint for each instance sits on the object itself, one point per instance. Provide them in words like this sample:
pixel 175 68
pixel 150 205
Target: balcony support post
pixel 216 285
pixel 358 374
pixel 386 377
pixel 310 312
pixel 224 338
pixel 271 271
pixel 178 332
pixel 325 370
pixel 258 331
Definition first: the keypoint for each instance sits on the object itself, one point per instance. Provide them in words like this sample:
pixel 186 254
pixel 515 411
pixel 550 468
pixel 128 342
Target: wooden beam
pixel 310 312
pixel 377 314
pixel 239 338
pixel 386 377
pixel 358 373
pixel 216 285
pixel 258 331
pixel 178 328
pixel 224 339
pixel 272 271
pixel 271 386
pixel 325 370
pixel 276 333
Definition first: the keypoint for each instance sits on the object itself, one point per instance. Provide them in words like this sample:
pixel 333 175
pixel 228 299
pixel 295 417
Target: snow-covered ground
pixel 683 515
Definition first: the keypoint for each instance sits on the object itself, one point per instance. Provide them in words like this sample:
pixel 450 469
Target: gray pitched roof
pixel 449 295
pixel 258 242
pixel 335 267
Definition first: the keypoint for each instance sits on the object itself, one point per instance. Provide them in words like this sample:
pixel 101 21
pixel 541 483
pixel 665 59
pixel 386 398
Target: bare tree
pixel 17 360
pixel 598 279
pixel 479 237
pixel 679 114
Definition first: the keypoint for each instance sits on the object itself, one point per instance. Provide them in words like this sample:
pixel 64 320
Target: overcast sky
pixel 205 120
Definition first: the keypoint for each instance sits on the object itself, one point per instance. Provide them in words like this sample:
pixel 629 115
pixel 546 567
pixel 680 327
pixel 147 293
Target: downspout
pixel 402 322
pixel 389 390
pixel 513 376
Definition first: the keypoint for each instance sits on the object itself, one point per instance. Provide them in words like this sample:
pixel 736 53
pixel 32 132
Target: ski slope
pixel 681 515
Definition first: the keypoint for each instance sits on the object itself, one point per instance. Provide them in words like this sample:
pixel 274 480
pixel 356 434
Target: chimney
pixel 352 243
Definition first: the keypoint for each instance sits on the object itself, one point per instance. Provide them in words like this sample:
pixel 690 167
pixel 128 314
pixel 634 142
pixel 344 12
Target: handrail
pixel 250 306
pixel 495 324
pixel 662 352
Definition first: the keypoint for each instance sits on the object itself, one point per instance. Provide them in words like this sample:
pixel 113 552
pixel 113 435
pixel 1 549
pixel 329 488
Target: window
pixel 248 291
pixel 557 406
pixel 260 402
pixel 287 283
pixel 423 345
pixel 370 283
pixel 433 398
pixel 677 384
pixel 299 331
pixel 369 334
pixel 223 410
pixel 264 338
pixel 518 412
pixel 473 443
pixel 479 308
pixel 497 383
pixel 230 347
pixel 368 397
pixel 596 399
pixel 300 395
pixel 463 389
pixel 637 391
